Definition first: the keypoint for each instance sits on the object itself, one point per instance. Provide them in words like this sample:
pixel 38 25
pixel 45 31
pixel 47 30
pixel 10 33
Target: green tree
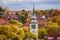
pixel 23 16
pixel 52 11
pixel 1 16
pixel 0 9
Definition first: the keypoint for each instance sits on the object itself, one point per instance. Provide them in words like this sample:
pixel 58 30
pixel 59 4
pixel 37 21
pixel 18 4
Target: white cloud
pixel 35 0
pixel 20 0
pixel 42 0
pixel 32 0
pixel 16 0
pixel 12 0
pixel 4 1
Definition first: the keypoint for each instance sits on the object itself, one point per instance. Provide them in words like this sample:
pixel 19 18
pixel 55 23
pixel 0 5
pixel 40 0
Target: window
pixel 33 26
pixel 58 38
pixel 33 31
pixel 50 38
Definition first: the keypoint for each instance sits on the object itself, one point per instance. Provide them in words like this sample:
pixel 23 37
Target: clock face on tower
pixel 33 26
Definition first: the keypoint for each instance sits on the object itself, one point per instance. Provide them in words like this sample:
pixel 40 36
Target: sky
pixel 28 4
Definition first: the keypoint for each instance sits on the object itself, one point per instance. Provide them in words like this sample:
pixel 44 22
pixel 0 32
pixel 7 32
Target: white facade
pixel 50 38
pixel 43 17
pixel 58 38
pixel 34 25
pixel 34 28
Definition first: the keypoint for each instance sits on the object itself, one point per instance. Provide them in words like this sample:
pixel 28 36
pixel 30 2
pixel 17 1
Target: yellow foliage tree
pixel 11 32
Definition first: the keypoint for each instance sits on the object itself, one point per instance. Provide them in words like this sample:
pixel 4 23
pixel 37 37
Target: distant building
pixel 43 17
pixel 3 21
pixel 51 36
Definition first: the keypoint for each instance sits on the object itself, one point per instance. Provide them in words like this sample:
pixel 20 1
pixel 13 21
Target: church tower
pixel 34 24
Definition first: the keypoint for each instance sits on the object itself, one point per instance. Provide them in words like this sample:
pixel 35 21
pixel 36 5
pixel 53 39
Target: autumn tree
pixel 42 33
pixel 26 28
pixel 29 35
pixel 53 28
pixel 23 16
pixel 1 12
pixel 11 21
pixel 6 30
pixel 28 20
pixel 27 32
pixel 25 12
pixel 11 32
pixel 58 20
pixel 52 11
pixel 54 19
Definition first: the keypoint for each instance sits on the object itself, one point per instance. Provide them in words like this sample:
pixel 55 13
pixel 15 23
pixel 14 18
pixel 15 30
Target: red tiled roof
pixel 43 22
pixel 58 11
pixel 2 21
pixel 26 24
pixel 58 34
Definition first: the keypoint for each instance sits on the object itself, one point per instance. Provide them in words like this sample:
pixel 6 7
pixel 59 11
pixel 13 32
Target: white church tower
pixel 34 24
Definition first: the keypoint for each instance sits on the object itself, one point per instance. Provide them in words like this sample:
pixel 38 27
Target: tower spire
pixel 33 8
pixel 34 24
